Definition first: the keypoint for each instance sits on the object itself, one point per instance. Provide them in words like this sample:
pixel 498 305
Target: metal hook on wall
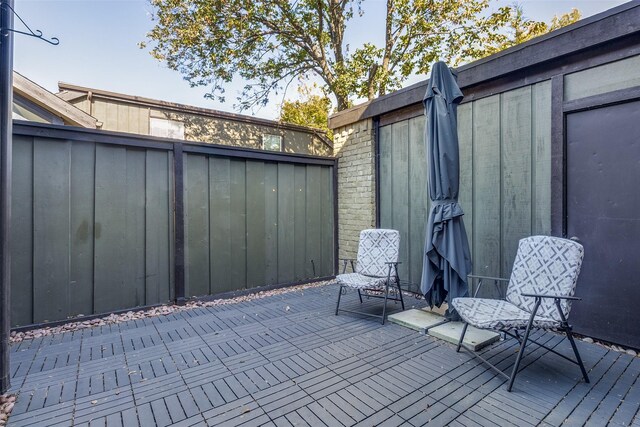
pixel 37 33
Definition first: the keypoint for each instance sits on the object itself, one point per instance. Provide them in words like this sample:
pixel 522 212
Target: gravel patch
pixel 164 310
pixel 6 405
pixel 610 346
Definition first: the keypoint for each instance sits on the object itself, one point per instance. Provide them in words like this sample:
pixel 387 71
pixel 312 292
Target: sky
pixel 99 47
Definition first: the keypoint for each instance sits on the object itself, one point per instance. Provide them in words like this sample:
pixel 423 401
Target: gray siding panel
pixel 110 273
pixel 486 181
pixel 82 231
pixel 271 224
pixel 605 78
pixel 313 252
pixel 158 221
pixel 418 201
pixel 22 231
pixel 299 221
pixel 386 176
pixel 51 166
pixel 541 157
pixel 326 222
pixel 400 182
pixel 505 178
pixel 266 222
pixel 238 175
pixel 286 223
pixel 94 229
pixel 135 282
pixel 516 172
pixel 220 223
pixel 465 140
pixel 196 201
pixel 256 248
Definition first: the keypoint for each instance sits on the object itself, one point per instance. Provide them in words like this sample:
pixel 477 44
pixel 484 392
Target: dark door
pixel 603 212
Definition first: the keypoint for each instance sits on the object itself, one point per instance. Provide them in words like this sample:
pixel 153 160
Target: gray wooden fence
pixel 94 228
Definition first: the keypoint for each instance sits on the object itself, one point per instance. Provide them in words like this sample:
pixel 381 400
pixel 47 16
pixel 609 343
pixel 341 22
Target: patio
pixel 288 360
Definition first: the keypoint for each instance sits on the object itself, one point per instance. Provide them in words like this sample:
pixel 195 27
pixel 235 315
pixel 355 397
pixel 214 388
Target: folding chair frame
pixel 564 326
pixel 393 266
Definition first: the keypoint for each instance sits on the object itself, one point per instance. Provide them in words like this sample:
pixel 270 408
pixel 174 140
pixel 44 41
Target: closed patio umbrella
pixel 447 259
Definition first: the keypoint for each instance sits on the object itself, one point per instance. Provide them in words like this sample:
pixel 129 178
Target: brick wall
pixel 353 145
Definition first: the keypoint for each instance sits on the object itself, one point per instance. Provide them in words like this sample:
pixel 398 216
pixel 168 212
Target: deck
pixel 288 360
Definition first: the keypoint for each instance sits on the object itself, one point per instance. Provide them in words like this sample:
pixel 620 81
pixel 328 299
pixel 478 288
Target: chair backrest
pixel 545 265
pixel 376 247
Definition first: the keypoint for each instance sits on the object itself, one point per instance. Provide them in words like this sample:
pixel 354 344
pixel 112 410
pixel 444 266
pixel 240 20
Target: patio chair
pixel 375 273
pixel 539 295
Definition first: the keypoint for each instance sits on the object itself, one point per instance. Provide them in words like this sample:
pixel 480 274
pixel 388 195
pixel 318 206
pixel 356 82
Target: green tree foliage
pixel 312 109
pixel 519 28
pixel 268 43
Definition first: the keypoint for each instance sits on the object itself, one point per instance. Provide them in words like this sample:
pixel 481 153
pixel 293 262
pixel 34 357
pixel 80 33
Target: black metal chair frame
pixel 564 327
pixel 393 266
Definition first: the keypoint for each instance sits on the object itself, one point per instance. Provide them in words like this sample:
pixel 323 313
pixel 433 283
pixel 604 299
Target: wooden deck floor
pixel 288 360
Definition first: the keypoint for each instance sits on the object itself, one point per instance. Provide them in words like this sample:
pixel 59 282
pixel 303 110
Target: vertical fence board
pixel 465 142
pixel 400 182
pixel 256 262
pixel 386 173
pixel 516 172
pixel 135 229
pixel 326 222
pixel 313 252
pixel 157 232
pixel 270 224
pixel 418 199
pixel 51 160
pixel 196 202
pixel 81 217
pixel 110 280
pixel 299 224
pixel 220 224
pixel 172 226
pixel 286 223
pixel 238 274
pixel 486 198
pixel 541 160
pixel 22 230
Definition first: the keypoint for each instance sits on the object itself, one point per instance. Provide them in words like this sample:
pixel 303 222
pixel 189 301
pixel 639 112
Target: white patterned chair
pixel 539 295
pixel 375 269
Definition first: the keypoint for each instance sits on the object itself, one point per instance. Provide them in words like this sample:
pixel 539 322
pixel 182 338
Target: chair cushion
pixel 498 314
pixel 545 265
pixel 376 247
pixel 360 281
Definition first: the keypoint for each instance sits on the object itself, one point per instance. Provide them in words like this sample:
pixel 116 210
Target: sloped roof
pixel 35 93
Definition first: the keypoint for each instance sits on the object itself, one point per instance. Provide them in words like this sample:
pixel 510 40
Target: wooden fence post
pixel 178 211
pixel 6 135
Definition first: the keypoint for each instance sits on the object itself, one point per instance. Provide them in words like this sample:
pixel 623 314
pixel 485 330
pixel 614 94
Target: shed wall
pixel 605 78
pixel 134 118
pixel 505 190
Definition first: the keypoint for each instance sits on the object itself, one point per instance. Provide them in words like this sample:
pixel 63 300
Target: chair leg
pixel 464 331
pixel 360 296
pixel 339 296
pixel 519 356
pixel 575 351
pixel 400 293
pixel 384 307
